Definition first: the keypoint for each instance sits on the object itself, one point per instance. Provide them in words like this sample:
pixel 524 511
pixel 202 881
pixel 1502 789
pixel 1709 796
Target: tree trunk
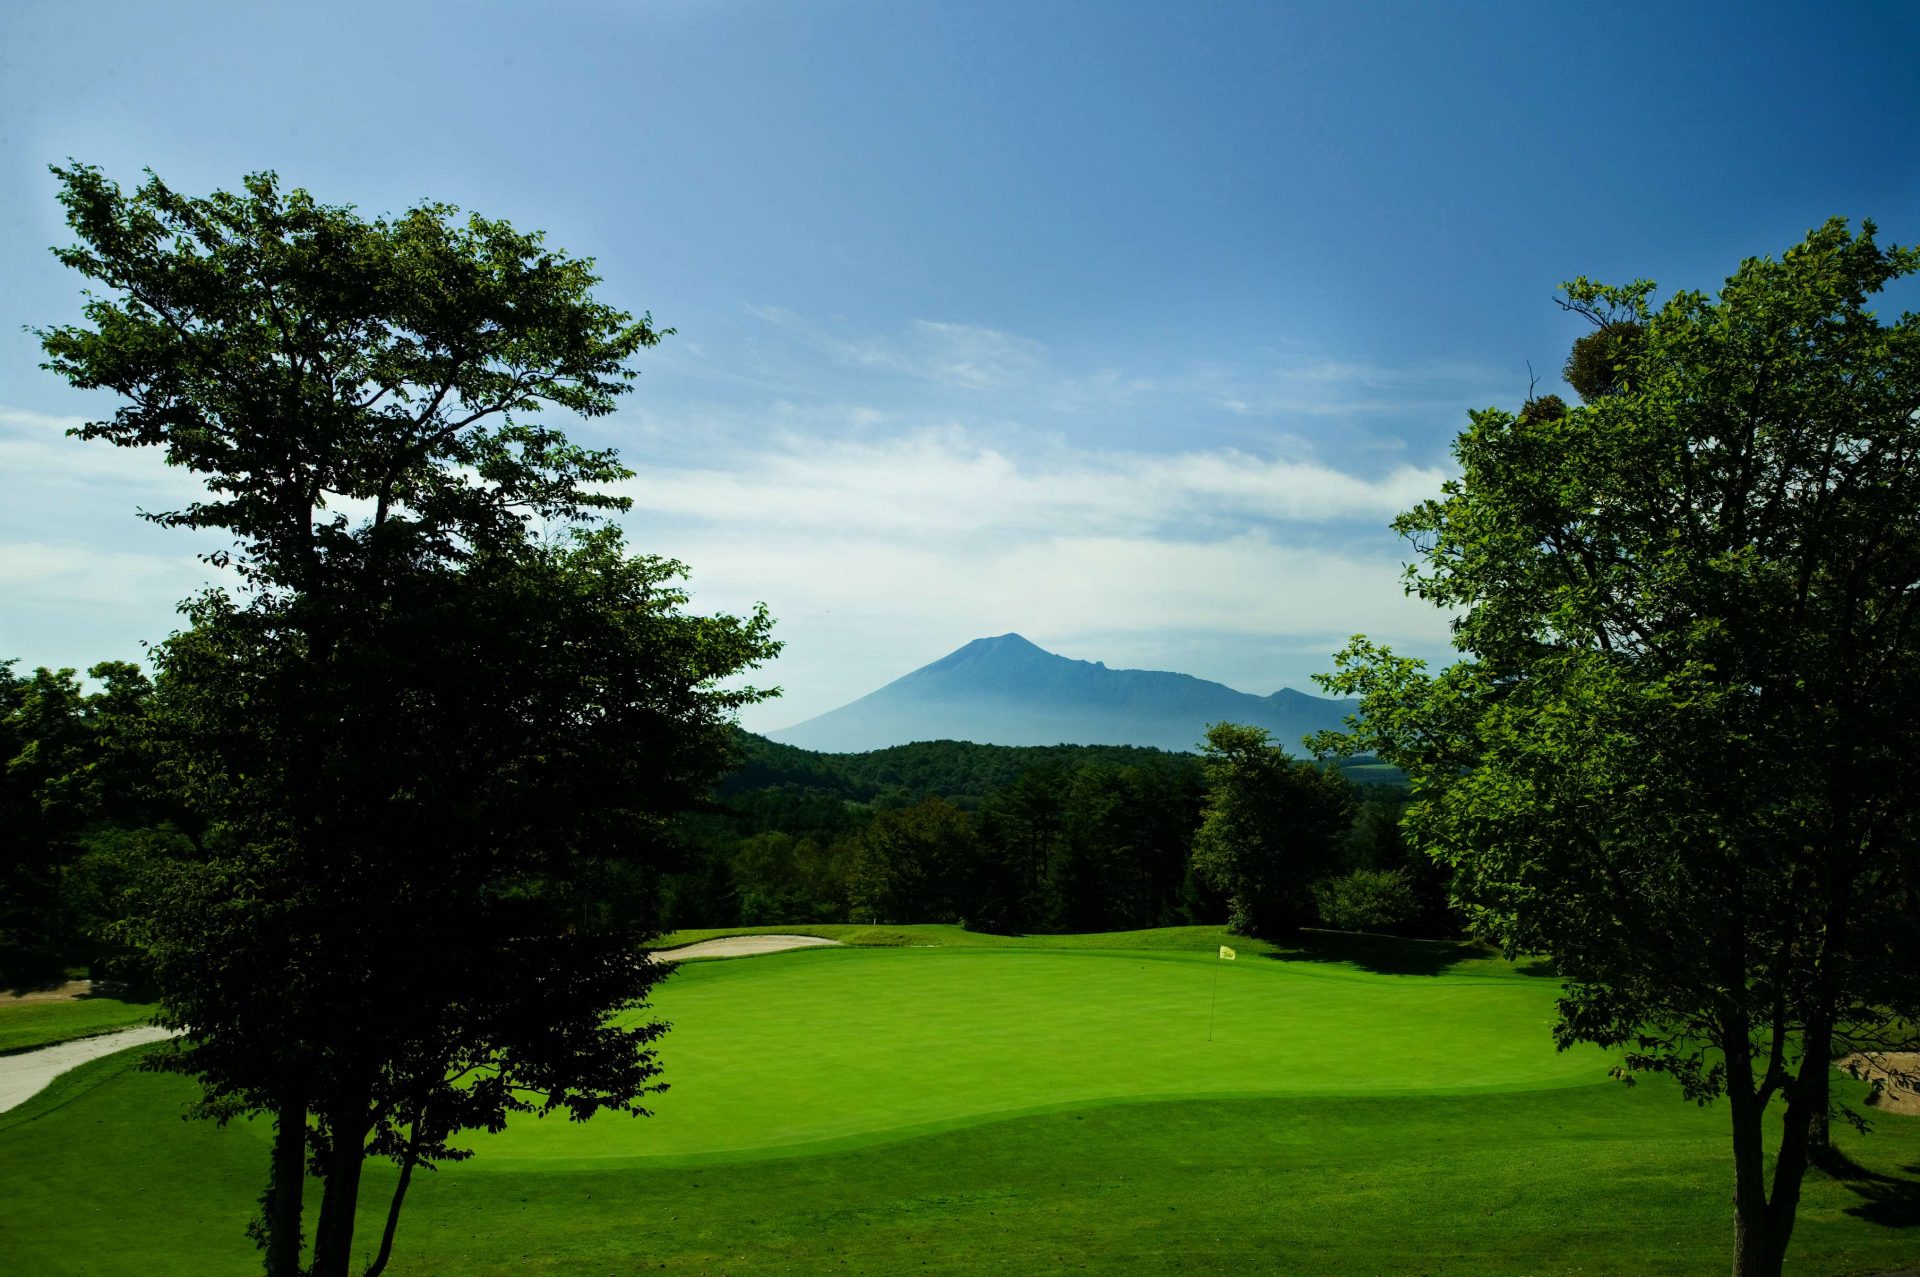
pixel 333 1239
pixel 284 1202
pixel 1763 1221
pixel 1753 1251
pixel 1807 1098
pixel 379 1264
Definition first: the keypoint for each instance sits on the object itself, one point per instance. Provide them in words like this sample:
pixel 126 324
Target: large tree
pixel 433 735
pixel 1271 827
pixel 1680 751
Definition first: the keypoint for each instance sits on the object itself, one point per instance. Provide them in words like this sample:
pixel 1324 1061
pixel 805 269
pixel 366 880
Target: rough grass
pixel 788 1143
pixel 27 1025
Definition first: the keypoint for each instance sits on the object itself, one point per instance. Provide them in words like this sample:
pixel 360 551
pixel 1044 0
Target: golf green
pixel 847 1045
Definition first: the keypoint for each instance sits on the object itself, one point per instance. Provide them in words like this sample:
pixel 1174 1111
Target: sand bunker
pixel 1898 1073
pixel 739 947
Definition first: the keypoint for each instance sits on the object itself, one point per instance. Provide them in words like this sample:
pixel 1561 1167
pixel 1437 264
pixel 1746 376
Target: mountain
pixel 1008 691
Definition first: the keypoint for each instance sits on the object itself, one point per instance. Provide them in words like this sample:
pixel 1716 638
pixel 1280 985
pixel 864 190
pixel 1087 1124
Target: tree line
pixel 1054 839
pixel 1061 839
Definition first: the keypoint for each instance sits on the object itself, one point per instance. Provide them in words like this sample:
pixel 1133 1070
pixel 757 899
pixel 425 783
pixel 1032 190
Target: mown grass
pixel 845 1111
pixel 822 1045
pixel 27 1025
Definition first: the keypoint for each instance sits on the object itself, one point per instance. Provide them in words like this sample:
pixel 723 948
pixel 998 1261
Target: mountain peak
pixel 1008 642
pixel 1000 650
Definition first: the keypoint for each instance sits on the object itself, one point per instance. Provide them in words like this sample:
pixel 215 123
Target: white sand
pixel 739 947
pixel 25 1075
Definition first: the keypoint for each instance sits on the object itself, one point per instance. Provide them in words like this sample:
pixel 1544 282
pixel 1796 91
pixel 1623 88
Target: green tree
pixel 914 864
pixel 1270 828
pixel 72 778
pixel 1365 900
pixel 1678 752
pixel 778 878
pixel 428 734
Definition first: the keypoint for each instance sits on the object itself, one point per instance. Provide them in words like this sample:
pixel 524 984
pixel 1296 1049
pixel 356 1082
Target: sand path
pixel 25 1075
pixel 740 947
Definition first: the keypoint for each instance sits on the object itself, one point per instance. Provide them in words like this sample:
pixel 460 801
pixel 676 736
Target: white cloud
pixel 35 449
pixel 878 555
pixel 54 575
pixel 944 482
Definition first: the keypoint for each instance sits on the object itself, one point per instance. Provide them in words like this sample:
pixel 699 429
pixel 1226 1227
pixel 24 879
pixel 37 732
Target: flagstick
pixel 1214 1001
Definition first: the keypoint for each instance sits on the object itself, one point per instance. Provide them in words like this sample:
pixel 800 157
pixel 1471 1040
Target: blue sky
pixel 1125 326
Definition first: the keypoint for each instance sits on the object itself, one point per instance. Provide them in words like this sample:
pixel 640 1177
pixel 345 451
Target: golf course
pixel 933 1100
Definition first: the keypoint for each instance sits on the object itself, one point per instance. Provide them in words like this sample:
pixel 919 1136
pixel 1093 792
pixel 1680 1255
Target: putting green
pixel 845 1046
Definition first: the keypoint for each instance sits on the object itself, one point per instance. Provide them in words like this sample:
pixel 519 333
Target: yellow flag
pixel 1226 954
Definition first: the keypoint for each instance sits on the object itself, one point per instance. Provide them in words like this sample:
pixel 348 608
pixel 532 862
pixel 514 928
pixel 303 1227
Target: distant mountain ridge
pixel 1009 691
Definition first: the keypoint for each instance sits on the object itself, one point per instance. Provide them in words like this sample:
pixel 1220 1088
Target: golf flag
pixel 1226 954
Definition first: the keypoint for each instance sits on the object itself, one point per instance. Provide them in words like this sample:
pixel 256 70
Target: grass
pixel 27 1025
pixel 1386 955
pixel 1016 1109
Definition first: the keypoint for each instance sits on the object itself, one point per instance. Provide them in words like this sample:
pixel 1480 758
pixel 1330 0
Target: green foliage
pixel 1068 837
pixel 1271 827
pixel 961 772
pixel 780 878
pixel 298 357
pixel 1365 900
pixel 75 796
pixel 914 864
pixel 1601 363
pixel 1545 408
pixel 1679 752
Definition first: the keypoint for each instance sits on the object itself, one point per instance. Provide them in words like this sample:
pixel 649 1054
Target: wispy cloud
pixel 36 451
pixel 44 571
pixel 967 356
pixel 976 368
pixel 947 481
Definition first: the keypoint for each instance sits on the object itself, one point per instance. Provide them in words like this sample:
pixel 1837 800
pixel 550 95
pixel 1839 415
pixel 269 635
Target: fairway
pixel 1013 1109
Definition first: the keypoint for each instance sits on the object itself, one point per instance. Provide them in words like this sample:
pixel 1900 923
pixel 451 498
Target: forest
pixel 1008 839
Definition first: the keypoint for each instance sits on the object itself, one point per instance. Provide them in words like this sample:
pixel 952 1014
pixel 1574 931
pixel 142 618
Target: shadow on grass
pixel 21 987
pixel 1393 955
pixel 1891 1201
